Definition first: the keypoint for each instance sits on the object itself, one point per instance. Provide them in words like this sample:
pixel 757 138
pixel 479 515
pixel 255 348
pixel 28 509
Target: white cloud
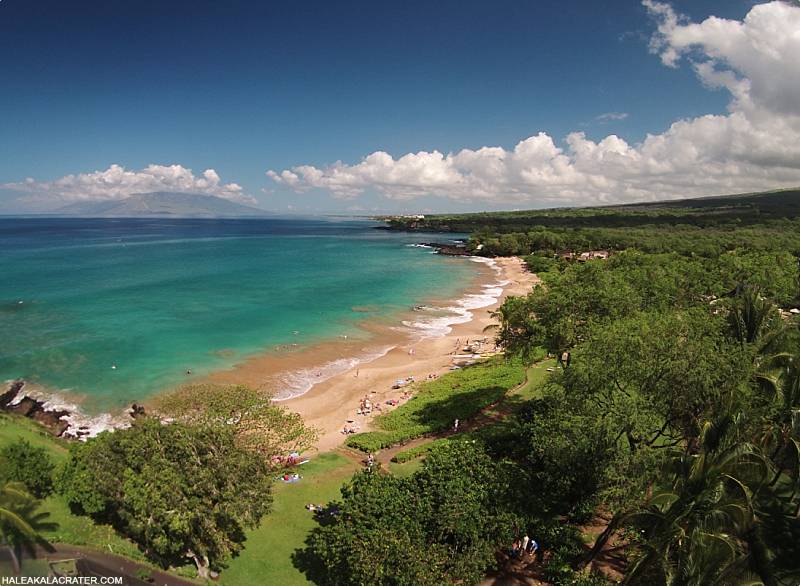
pixel 610 116
pixel 116 182
pixel 755 145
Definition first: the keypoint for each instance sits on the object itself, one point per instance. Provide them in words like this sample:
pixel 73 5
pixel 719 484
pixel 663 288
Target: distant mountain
pixel 161 204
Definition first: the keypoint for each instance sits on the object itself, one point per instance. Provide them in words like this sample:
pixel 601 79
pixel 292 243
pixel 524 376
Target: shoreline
pixel 333 401
pixel 326 380
pixel 290 372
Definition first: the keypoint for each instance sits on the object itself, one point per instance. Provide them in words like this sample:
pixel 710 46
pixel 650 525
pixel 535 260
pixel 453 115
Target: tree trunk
pixel 16 567
pixel 203 570
pixel 600 542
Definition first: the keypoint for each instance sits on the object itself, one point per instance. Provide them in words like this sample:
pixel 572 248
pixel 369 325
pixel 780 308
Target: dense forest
pixel 702 227
pixel 672 416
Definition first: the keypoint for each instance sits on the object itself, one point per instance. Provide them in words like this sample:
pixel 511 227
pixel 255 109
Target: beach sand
pixel 330 403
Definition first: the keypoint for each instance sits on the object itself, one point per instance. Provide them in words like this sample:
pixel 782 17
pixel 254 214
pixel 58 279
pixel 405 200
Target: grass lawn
pixel 72 529
pixel 536 375
pixel 406 469
pixel 267 557
pixel 436 404
pixel 13 427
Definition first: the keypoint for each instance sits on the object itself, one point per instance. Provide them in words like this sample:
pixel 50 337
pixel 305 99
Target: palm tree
pixel 702 528
pixel 754 319
pixel 20 523
pixel 756 323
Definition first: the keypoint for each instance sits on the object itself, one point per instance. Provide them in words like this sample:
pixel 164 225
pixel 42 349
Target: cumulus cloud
pixel 116 182
pixel 755 145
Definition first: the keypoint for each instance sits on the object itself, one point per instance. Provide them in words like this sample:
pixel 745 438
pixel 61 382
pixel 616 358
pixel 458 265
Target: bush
pixel 372 441
pixel 30 465
pixel 414 453
pixel 540 264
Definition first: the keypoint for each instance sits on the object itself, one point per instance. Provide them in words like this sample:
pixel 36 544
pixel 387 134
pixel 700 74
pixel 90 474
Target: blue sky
pixel 247 87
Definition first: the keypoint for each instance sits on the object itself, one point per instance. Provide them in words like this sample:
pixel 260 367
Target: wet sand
pixel 350 370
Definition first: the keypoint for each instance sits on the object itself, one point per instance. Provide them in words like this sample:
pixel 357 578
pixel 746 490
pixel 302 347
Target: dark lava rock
pixel 137 411
pixel 11 393
pixel 448 249
pixel 51 420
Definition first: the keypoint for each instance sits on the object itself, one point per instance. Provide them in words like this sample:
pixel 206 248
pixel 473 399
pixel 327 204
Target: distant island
pixel 161 204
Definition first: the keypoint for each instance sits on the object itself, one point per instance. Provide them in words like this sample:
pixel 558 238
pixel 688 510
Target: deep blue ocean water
pixel 155 297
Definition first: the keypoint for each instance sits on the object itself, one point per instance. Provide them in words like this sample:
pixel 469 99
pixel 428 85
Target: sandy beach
pixel 331 403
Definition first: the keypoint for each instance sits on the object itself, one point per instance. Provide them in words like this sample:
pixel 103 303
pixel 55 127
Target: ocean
pixel 112 311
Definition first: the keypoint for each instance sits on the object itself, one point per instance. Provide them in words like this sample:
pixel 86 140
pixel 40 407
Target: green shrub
pixel 372 441
pixel 416 452
pixel 22 462
pixel 540 264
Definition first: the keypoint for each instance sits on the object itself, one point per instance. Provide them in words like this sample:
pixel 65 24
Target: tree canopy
pixel 179 491
pixel 30 465
pixel 258 424
pixel 441 526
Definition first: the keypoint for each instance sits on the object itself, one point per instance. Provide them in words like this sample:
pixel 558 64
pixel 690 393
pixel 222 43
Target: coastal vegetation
pixel 704 227
pixel 21 521
pixel 258 424
pixel 172 490
pixel 179 492
pixel 438 403
pixel 659 445
pixel 187 489
pixel 63 526
pixel 671 421
pixel 439 526
pixel 27 465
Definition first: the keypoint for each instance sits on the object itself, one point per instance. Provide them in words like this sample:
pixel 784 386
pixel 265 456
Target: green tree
pixel 30 465
pixel 754 319
pixel 259 425
pixel 705 526
pixel 179 491
pixel 441 526
pixel 21 522
pixel 565 455
pixel 654 377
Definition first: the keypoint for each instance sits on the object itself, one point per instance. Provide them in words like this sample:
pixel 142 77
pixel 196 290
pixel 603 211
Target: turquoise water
pixel 157 297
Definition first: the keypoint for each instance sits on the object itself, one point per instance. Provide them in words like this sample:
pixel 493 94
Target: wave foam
pixel 299 382
pixel 79 424
pixel 461 312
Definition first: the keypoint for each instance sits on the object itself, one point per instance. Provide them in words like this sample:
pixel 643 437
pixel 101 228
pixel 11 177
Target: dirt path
pixel 611 561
